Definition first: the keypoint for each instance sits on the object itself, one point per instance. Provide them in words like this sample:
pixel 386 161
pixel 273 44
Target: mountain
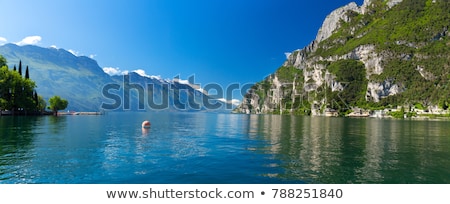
pixel 87 87
pixel 382 54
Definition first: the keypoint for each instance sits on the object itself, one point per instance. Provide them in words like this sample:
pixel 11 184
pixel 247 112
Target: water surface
pixel 222 148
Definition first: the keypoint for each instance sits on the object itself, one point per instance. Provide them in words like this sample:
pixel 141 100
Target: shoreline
pixel 47 113
pixel 80 113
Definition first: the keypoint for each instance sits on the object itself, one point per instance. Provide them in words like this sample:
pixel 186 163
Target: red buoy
pixel 146 124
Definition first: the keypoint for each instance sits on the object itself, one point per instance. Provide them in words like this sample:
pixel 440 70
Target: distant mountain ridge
pixel 82 82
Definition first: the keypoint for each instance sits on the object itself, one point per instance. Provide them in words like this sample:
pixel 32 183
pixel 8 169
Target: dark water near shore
pixel 222 148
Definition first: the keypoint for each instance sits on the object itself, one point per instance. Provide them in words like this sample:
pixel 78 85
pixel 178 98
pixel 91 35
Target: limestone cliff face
pixel 368 3
pixel 332 21
pixel 314 79
pixel 378 90
pixel 315 74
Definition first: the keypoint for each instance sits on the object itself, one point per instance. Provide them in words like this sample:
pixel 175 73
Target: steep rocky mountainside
pixel 378 55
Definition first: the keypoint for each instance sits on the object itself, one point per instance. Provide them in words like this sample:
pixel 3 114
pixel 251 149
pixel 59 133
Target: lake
pixel 199 148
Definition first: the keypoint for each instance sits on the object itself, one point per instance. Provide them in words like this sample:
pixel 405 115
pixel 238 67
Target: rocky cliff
pixel 380 54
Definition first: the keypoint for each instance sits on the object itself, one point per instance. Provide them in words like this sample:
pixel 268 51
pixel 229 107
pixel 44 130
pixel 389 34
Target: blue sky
pixel 219 41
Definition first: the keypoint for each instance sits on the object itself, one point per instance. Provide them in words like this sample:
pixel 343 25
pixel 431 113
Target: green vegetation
pixel 402 114
pixel 2 61
pixel 436 115
pixel 288 74
pixel 412 42
pixel 16 93
pixel 444 104
pixel 289 88
pixel 419 106
pixel 42 104
pixel 81 77
pixel 412 35
pixel 350 73
pixel 417 37
pixel 293 102
pixel 411 21
pixel 57 103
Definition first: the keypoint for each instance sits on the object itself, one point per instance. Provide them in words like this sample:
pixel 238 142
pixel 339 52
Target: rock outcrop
pixel 379 90
pixel 331 22
pixel 315 86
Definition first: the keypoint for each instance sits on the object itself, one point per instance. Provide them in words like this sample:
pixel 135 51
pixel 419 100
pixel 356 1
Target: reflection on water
pixel 16 139
pixel 345 150
pixel 222 148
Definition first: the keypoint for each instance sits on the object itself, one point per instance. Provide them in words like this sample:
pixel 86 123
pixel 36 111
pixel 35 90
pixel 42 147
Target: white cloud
pixel 235 102
pixel 30 40
pixel 3 40
pixel 53 46
pixel 112 71
pixel 92 56
pixel 73 52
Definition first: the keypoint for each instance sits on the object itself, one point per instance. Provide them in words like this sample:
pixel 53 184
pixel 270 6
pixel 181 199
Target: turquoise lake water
pixel 199 148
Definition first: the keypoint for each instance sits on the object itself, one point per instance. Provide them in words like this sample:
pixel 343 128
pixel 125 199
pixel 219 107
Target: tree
pixel 35 97
pixel 57 103
pixel 20 67
pixel 443 104
pixel 4 88
pixel 25 98
pixel 27 74
pixel 15 91
pixel 2 61
pixel 42 104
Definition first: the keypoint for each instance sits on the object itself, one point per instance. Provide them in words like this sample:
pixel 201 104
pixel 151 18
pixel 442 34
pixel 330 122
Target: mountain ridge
pixel 81 81
pixel 403 46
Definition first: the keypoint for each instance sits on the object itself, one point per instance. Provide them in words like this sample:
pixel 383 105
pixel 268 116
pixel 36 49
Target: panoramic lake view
pixel 198 148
